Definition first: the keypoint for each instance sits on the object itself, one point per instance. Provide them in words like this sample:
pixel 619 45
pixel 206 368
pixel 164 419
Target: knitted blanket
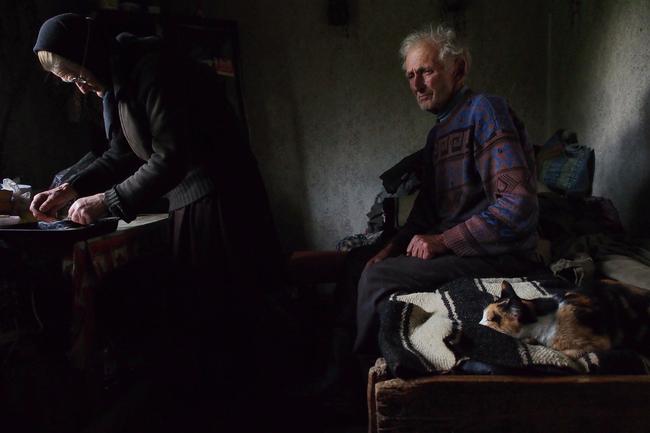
pixel 437 332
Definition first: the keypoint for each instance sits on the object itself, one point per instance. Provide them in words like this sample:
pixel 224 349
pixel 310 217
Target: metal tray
pixel 55 233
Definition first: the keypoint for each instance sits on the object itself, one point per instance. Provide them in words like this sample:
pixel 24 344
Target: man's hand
pixel 87 210
pixel 45 205
pixel 426 246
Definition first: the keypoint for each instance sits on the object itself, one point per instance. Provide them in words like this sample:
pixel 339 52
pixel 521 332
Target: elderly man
pixel 476 213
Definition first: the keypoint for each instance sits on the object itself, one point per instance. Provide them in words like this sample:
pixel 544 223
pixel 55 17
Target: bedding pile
pixel 439 332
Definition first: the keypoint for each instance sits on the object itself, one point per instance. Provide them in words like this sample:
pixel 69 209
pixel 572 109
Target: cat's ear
pixel 507 292
pixel 513 303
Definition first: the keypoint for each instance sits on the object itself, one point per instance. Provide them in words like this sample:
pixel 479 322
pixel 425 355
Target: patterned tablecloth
pixel 93 259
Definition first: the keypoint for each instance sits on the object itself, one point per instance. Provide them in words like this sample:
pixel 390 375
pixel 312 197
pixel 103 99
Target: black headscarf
pixel 67 35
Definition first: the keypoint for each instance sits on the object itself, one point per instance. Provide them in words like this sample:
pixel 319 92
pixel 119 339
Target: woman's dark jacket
pixel 172 132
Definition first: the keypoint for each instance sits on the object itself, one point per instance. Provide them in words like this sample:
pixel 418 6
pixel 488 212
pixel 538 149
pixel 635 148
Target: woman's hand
pixel 87 210
pixel 46 204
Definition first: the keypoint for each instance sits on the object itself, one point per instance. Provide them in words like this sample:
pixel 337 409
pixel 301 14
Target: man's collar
pixel 451 104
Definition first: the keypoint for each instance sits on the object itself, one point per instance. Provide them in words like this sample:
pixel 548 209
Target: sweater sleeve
pixel 504 161
pixel 117 163
pixel 166 115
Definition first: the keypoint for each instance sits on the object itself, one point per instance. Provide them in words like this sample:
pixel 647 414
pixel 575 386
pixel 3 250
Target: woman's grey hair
pixel 443 37
pixel 55 63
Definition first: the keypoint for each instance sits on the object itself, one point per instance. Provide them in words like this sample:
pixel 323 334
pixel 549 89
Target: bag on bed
pixel 565 166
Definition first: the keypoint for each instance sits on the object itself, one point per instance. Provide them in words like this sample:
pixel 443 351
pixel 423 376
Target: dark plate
pixel 56 233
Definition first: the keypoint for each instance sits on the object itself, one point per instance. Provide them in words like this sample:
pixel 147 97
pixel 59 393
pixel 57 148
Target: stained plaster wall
pixel 600 88
pixel 329 108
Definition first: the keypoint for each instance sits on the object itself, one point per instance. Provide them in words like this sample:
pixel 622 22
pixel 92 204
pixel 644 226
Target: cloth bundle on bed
pixel 437 332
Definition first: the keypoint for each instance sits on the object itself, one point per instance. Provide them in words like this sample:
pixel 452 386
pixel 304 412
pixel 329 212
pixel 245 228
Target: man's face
pixel 431 81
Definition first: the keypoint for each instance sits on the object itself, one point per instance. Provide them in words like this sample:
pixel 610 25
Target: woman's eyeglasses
pixel 76 80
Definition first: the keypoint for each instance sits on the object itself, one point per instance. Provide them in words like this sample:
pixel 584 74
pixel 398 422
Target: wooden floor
pixel 462 403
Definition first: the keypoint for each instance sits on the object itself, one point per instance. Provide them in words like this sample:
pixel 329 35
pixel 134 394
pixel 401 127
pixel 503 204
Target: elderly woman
pixel 172 133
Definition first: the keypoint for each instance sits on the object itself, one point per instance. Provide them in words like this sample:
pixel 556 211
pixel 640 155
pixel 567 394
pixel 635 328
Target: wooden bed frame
pixel 490 403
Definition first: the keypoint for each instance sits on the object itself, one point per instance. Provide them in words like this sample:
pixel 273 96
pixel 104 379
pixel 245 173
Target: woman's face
pixel 84 80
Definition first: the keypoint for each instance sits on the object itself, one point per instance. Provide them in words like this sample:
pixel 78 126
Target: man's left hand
pixel 87 210
pixel 426 246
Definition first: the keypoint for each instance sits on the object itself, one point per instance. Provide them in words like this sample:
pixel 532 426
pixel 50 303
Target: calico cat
pixel 576 322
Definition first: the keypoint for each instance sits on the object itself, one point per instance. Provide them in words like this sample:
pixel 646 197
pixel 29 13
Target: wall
pixel 329 108
pixel 601 90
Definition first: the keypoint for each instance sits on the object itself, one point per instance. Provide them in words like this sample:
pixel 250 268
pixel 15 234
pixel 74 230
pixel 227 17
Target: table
pixel 52 332
pixel 92 260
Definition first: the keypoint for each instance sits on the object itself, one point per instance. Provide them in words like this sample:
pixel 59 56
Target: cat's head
pixel 509 313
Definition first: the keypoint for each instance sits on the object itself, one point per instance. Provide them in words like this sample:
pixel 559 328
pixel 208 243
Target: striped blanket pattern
pixel 436 332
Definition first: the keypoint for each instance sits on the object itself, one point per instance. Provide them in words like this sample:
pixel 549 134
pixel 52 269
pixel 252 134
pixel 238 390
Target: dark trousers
pixel 411 274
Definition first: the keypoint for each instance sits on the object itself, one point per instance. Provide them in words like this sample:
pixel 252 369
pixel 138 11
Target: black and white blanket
pixel 439 332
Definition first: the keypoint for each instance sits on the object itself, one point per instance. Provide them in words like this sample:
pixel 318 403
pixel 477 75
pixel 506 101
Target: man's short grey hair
pixel 442 37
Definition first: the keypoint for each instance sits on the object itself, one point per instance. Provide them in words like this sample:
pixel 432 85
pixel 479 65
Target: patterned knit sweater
pixel 478 181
